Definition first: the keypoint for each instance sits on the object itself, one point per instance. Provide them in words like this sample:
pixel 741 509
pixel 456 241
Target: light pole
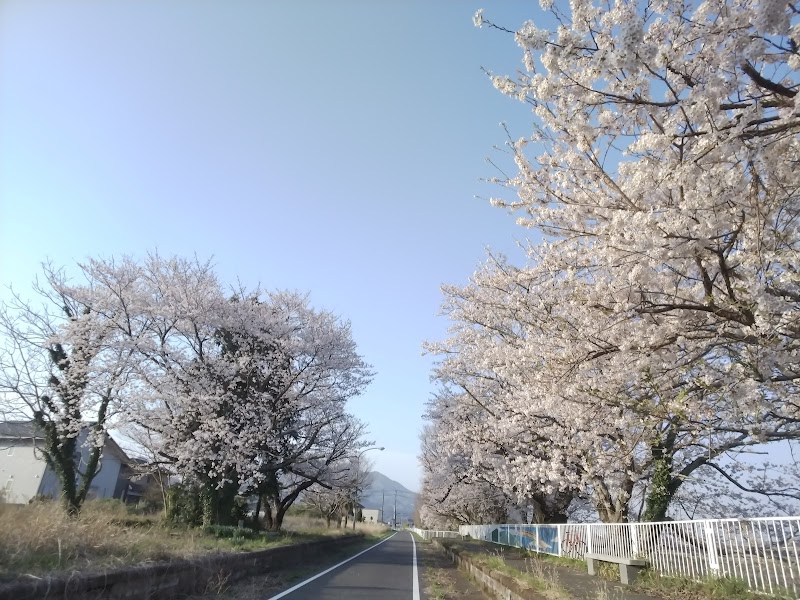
pixel 355 486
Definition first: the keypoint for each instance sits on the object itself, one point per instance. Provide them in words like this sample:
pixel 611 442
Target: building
pixel 370 515
pixel 24 474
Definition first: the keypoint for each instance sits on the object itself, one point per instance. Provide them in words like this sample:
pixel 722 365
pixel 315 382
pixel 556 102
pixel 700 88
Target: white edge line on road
pixel 326 571
pixel 415 584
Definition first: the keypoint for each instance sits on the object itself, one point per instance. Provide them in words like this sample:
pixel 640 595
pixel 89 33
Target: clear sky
pixel 334 147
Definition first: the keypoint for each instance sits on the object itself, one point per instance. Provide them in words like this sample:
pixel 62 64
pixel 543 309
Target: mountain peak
pixel 382 493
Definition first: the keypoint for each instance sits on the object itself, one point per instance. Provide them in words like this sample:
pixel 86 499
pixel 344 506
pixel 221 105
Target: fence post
pixel 634 540
pixel 559 537
pixel 588 538
pixel 711 548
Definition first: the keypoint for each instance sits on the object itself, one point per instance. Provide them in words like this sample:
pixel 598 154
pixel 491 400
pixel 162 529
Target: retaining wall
pixel 496 584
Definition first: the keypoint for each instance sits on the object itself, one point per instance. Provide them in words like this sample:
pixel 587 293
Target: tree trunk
pixel 660 494
pixel 662 486
pixel 209 504
pixel 280 512
pixel 268 520
pixel 60 456
pixel 256 524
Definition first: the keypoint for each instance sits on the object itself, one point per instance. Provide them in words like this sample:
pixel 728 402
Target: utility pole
pixel 383 499
pixel 395 508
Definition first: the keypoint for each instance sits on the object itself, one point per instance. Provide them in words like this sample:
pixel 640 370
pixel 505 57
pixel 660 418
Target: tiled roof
pixel 19 429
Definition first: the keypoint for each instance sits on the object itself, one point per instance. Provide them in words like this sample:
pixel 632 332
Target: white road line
pixel 326 571
pixel 415 584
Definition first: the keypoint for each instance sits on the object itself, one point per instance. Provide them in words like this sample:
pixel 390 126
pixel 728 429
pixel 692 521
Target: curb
pixel 497 584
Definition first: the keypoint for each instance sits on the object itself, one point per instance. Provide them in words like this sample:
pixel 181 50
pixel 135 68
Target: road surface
pixel 387 571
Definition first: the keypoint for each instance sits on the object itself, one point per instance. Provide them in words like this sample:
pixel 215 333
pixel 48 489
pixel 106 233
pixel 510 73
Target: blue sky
pixel 329 147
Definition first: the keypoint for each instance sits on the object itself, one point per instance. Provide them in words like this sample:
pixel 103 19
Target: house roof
pixel 19 429
pixel 29 430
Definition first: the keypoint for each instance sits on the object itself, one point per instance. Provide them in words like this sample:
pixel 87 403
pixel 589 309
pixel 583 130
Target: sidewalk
pixel 572 583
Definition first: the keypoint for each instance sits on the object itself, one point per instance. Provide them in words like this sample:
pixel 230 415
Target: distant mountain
pixel 381 493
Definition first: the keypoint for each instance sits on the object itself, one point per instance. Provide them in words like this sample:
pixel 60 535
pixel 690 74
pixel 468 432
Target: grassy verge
pixel 671 588
pixel 680 588
pixel 40 539
pixel 537 576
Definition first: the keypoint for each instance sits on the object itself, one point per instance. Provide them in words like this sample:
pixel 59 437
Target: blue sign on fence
pixel 536 538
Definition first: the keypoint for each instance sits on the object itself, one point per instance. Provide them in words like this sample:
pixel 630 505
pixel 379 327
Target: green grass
pixel 535 578
pixel 561 561
pixel 681 588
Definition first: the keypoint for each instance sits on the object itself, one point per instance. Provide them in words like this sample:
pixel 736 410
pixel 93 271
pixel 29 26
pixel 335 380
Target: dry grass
pixel 306 524
pixel 543 579
pixel 40 538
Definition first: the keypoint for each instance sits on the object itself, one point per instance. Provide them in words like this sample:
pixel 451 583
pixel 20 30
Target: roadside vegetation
pixel 42 538
pixel 539 577
pixel 549 576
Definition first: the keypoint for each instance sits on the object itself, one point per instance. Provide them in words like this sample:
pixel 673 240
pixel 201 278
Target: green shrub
pixel 184 505
pixel 228 531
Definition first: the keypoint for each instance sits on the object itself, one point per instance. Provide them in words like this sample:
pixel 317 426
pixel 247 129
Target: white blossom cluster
pixel 655 328
pixel 234 387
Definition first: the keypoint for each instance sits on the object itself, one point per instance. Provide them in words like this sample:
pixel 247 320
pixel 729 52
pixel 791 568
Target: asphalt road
pixel 386 571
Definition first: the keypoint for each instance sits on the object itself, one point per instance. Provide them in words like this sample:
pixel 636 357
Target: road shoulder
pixel 440 578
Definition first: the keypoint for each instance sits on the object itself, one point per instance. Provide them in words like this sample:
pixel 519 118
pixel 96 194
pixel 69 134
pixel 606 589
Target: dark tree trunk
pixel 268 520
pixel 256 523
pixel 663 485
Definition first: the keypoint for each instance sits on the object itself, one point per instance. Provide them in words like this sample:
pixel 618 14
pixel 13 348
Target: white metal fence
pixel 761 552
pixel 429 534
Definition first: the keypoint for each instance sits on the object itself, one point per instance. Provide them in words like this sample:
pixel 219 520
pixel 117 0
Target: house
pixel 24 474
pixel 370 515
pixel 134 486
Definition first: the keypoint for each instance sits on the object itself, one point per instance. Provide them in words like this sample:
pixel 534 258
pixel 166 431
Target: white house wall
pixel 370 515
pixel 21 472
pixel 24 474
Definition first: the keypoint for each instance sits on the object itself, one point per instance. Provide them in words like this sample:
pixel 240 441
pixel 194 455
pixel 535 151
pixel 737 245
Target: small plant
pixel 722 588
pixel 218 584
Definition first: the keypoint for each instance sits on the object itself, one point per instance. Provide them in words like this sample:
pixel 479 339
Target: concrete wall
pixel 21 471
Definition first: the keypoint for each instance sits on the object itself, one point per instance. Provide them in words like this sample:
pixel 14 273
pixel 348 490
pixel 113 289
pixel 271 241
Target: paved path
pixel 387 571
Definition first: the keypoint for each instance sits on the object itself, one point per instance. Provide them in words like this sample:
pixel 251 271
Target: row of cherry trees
pixel 653 333
pixel 237 392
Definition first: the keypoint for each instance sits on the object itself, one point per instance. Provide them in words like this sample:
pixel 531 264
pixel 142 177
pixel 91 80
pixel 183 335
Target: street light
pixel 355 487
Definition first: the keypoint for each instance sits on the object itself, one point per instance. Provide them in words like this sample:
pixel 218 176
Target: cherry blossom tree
pixel 477 465
pixel 338 496
pixel 239 391
pixel 654 329
pixel 247 394
pixel 450 495
pixel 66 363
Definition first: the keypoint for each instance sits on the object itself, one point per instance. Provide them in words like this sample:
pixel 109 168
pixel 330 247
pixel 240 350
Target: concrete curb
pixel 495 583
pixel 166 580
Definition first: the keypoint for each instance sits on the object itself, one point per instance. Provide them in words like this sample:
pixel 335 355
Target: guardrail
pixel 429 534
pixel 763 552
